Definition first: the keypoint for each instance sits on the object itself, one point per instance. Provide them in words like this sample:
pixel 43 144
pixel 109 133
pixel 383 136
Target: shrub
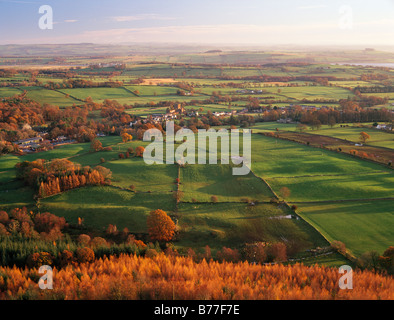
pixel 84 239
pixel 277 252
pixel 84 255
pixel 228 254
pixel 214 199
pixel 139 151
pixel 3 217
pixel 53 235
pixel 339 246
pixel 98 242
pixel 255 252
pixel 21 215
pixel 3 230
pixel 45 222
pixel 112 229
pixel 37 260
pixel 131 240
pixel 151 253
pixel 66 257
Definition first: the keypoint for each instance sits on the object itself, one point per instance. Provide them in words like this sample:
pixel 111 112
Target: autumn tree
pixel 3 217
pixel 302 127
pixel 387 260
pixel 139 151
pixel 285 192
pixel 364 137
pixel 96 145
pixel 160 226
pixel 214 199
pixel 84 239
pixel 126 137
pixel 228 254
pixel 255 252
pixel 84 255
pixel 277 252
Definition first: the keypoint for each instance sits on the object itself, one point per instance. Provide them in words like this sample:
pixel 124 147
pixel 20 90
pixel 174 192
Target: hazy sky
pixel 261 22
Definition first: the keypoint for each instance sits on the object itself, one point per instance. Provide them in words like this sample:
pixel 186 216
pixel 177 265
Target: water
pixel 364 64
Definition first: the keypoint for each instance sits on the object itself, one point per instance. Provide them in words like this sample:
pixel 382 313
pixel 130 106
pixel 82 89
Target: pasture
pixel 221 224
pixel 101 206
pixel 363 226
pixel 201 182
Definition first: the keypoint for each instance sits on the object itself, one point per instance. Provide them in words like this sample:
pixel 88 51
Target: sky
pixel 254 22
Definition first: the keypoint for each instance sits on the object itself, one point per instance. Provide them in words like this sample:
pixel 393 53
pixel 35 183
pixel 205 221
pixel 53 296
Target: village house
pixel 384 127
pixel 30 141
pixel 31 144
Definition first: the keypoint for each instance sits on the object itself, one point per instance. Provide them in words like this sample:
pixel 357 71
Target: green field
pixel 278 158
pixel 9 92
pixel 341 187
pixel 363 226
pixel 379 138
pixel 155 178
pixel 314 175
pixel 101 206
pixel 51 97
pixel 99 94
pixel 201 182
pixel 221 224
pixel 339 196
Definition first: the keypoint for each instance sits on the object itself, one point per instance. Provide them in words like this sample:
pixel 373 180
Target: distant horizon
pixel 234 46
pixel 219 22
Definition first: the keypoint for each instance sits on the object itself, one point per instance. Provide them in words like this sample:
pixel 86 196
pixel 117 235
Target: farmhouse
pixel 384 127
pixel 30 144
pixel 30 141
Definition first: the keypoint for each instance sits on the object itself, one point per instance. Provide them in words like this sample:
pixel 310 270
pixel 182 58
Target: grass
pixel 153 90
pixel 312 92
pixel 363 226
pixel 155 178
pixel 319 188
pixel 320 175
pixel 50 97
pixel 220 224
pixel 15 195
pixel 9 92
pixel 99 94
pixel 279 158
pixel 201 182
pixel 379 138
pixel 101 206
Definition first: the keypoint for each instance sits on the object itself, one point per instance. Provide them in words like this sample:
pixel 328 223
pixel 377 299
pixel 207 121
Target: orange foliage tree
pixel 139 151
pixel 364 137
pixel 126 137
pixel 160 226
pixel 169 277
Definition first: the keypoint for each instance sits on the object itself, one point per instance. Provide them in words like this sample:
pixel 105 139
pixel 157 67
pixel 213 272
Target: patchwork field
pixel 363 226
pixel 324 185
pixel 201 182
pixel 101 206
pixel 221 224
pixel 339 197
